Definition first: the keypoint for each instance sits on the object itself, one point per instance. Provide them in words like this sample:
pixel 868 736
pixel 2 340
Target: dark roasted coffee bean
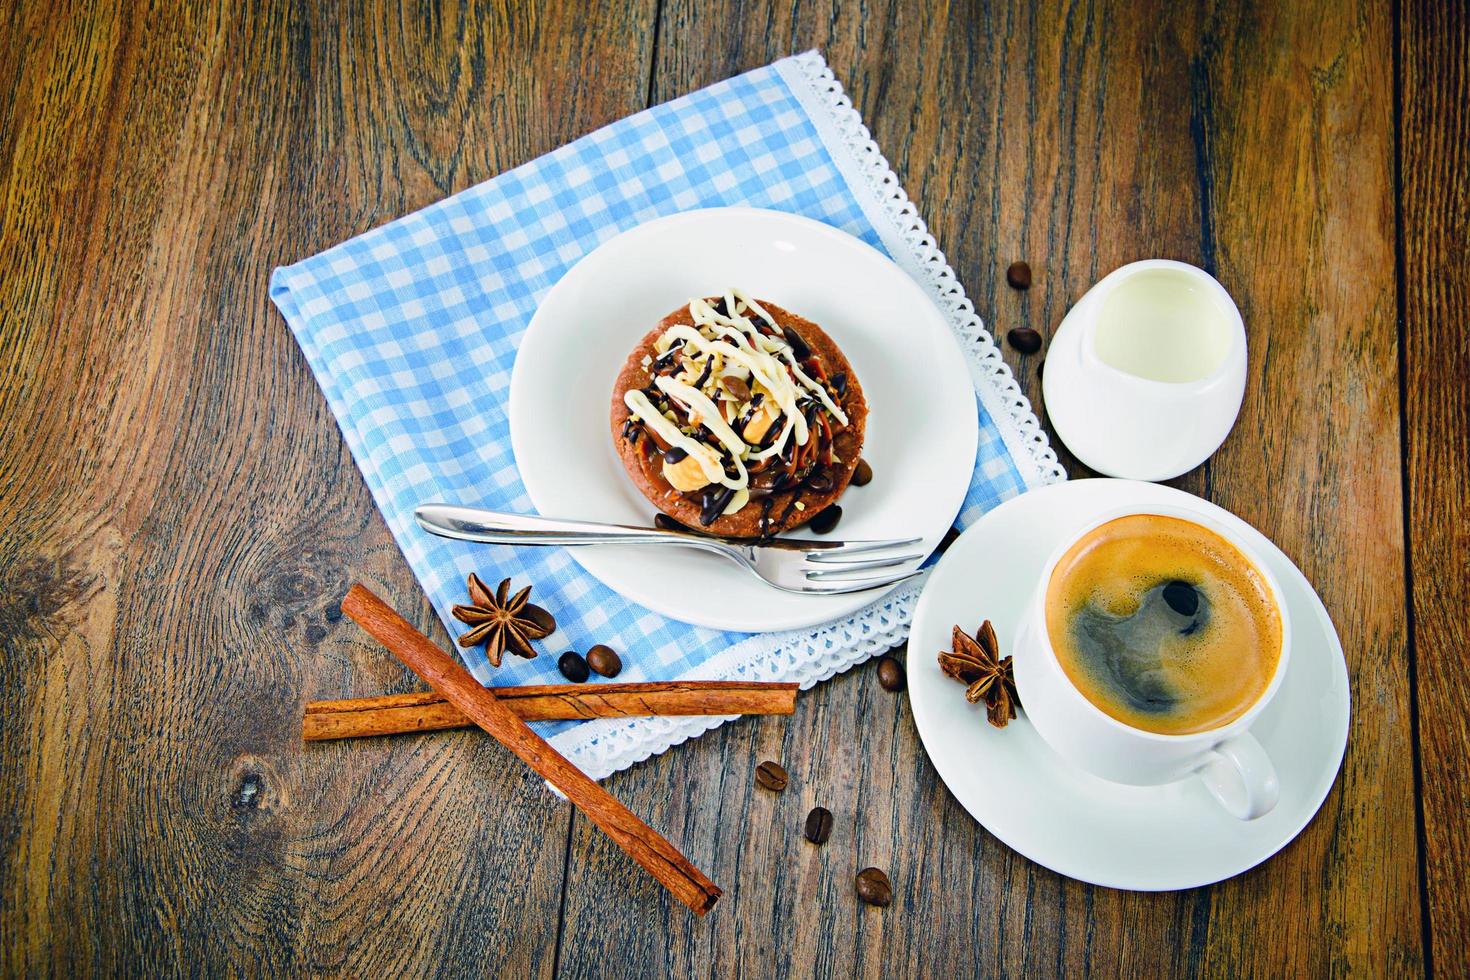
pixel 819 825
pixel 771 776
pixel 573 667
pixel 605 660
pixel 798 346
pixel 1019 275
pixel 675 453
pixel 1024 339
pixel 1181 597
pixel 873 887
pixel 826 519
pixel 890 674
pixel 863 474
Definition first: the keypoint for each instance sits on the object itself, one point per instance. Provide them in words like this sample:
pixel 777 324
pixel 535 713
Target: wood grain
pixel 1256 142
pixel 180 513
pixel 1434 163
pixel 1314 457
pixel 448 675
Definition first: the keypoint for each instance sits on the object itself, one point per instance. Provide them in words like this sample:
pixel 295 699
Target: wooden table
pixel 180 516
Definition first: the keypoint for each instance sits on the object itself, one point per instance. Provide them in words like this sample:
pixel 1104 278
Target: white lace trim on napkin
pixel 808 657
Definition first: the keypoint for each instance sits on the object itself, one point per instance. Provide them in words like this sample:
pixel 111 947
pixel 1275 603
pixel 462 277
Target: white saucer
pixel 1154 838
pixel 921 432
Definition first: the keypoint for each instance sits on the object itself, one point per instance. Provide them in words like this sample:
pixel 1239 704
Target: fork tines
pixel 840 566
pixel 835 552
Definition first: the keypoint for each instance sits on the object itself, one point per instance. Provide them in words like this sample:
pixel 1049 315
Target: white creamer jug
pixel 1144 377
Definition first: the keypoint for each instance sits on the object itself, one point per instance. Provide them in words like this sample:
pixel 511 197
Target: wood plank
pixel 1434 160
pixel 1079 137
pixel 1296 114
pixel 181 514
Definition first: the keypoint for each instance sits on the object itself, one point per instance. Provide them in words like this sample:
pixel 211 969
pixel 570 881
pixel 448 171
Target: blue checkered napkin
pixel 412 328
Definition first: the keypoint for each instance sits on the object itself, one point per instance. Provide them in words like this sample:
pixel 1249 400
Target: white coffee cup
pixel 1145 374
pixel 1233 765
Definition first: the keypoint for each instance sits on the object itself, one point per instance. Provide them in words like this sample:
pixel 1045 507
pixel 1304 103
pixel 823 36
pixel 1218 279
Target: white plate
pixel 1146 838
pixel 922 423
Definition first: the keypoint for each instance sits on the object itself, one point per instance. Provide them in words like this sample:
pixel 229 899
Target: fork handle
pixel 498 527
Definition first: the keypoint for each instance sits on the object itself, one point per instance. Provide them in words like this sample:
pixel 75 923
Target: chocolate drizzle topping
pixel 709 364
pixel 667 358
pixel 765 526
pixel 798 346
pixel 714 504
pixel 776 483
pixel 744 420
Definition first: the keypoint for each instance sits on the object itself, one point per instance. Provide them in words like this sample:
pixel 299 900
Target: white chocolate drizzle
pixel 643 411
pixel 703 412
pixel 730 345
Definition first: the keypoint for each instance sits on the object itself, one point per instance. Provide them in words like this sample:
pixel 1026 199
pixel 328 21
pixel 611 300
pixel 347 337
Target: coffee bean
pixel 890 674
pixel 605 660
pixel 873 887
pixel 863 474
pixel 573 667
pixel 826 519
pixel 1024 339
pixel 819 825
pixel 771 776
pixel 1019 275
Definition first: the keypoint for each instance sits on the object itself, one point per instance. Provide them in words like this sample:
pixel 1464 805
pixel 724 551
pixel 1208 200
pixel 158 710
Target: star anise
pixel 502 623
pixel 977 664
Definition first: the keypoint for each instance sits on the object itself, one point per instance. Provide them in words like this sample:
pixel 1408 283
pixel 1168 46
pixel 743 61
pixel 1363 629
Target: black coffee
pixel 1163 624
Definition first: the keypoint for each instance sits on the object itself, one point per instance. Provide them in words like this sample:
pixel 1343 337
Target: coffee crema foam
pixel 1163 624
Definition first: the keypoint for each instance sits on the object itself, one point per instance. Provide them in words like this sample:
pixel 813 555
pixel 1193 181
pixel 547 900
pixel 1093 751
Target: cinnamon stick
pixel 428 711
pixel 447 676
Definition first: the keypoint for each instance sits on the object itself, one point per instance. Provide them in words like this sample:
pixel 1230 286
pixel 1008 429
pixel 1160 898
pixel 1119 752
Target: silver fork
pixel 811 567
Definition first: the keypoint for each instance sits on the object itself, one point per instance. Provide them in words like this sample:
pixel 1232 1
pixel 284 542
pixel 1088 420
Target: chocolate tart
pixel 781 492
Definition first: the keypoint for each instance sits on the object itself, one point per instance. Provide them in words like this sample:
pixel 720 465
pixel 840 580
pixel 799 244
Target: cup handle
pixel 1241 778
